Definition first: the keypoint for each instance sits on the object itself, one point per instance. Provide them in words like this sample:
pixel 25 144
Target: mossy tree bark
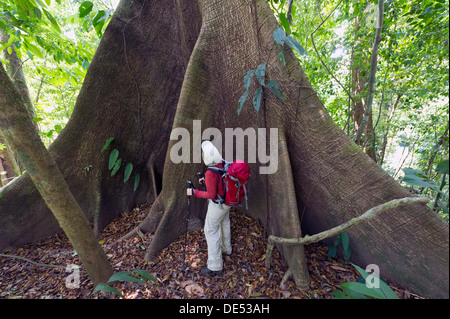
pixel 18 129
pixel 162 65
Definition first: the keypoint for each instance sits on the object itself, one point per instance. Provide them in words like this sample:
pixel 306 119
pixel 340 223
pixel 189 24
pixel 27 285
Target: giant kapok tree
pixel 163 65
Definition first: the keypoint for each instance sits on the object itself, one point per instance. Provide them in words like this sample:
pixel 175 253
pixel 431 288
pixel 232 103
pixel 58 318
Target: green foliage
pixel 271 85
pixel 55 40
pixel 113 156
pixel 360 290
pixel 410 109
pixel 281 38
pixel 426 186
pixel 108 141
pixel 138 276
pixel 443 167
pixel 128 170
pixel 345 240
pixel 115 163
pixel 416 177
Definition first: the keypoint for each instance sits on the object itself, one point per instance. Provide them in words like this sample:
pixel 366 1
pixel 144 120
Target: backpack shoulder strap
pixel 217 170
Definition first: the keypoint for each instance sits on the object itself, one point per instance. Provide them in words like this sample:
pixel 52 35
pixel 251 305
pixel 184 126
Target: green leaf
pixel 418 181
pixel 279 36
pixel 108 141
pixel 136 181
pixel 58 128
pixel 413 171
pixel 85 64
pixel 284 22
pixel 257 99
pixel 125 276
pixel 128 170
pixel 145 274
pixel 248 79
pixel 99 22
pixel 52 21
pixel 339 294
pixel 33 49
pixel 104 287
pixel 242 101
pixel 345 240
pixel 385 289
pixel 443 167
pixel 116 167
pixel 37 13
pixel 261 73
pixel 113 158
pixel 295 45
pixel 346 245
pixel 360 288
pixel 352 294
pixel 331 251
pixel 272 85
pixel 85 8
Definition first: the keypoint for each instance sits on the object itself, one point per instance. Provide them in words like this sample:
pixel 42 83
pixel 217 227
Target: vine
pixel 280 38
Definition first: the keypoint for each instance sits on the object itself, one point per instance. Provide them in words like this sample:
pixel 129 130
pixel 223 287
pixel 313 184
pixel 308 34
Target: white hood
pixel 211 155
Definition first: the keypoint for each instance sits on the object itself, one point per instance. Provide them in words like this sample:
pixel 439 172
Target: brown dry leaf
pixel 244 273
pixel 338 268
pixel 194 289
pixel 183 284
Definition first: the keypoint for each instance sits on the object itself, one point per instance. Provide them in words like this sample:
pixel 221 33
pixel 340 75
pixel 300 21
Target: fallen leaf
pixel 338 268
pixel 194 288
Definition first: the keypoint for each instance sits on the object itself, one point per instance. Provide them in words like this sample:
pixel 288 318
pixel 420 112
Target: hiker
pixel 217 222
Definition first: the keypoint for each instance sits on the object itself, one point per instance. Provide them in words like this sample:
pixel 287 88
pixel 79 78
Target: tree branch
pixel 34 262
pixel 371 213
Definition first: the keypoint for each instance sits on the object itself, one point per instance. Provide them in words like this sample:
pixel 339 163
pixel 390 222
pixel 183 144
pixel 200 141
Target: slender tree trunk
pixel 359 79
pixel 373 69
pixel 386 131
pixel 18 129
pixel 15 72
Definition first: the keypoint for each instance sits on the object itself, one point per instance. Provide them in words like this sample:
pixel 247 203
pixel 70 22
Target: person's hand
pixel 190 192
pixel 201 180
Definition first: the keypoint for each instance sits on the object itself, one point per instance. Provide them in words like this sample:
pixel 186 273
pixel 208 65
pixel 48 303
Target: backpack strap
pixel 217 170
pixel 220 199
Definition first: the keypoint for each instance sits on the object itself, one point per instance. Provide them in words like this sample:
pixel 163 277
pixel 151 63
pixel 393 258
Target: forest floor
pixel 244 276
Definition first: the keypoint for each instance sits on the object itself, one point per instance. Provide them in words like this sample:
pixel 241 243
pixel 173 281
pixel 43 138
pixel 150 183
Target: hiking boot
pixel 207 272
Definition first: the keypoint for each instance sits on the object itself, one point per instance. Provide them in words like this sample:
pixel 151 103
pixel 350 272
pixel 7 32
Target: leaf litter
pixel 244 275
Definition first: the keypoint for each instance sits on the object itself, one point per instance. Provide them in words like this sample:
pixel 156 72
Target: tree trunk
pixel 160 66
pixel 15 71
pixel 360 69
pixel 367 117
pixel 19 131
pixel 389 117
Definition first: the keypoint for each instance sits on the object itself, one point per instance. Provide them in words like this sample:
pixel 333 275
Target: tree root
pixel 371 213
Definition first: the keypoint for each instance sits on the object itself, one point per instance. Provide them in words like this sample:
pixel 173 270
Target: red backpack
pixel 235 176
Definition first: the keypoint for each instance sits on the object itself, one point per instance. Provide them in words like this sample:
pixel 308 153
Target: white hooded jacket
pixel 211 155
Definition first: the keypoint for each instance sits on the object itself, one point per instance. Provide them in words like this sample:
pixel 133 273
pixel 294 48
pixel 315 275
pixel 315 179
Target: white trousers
pixel 218 234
